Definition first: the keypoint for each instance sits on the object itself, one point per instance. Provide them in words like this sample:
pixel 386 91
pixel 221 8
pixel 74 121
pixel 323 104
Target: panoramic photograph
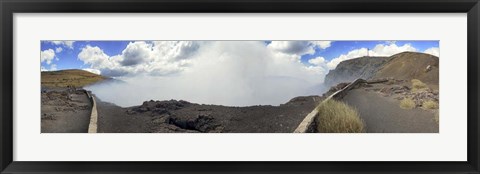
pixel 271 86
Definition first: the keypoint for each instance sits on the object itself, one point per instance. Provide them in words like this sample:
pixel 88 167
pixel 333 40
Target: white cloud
pixel 317 61
pixel 350 55
pixel 58 49
pixel 322 44
pixel 95 57
pixel 218 72
pixel 95 71
pixel 175 50
pixel 47 56
pixel 388 50
pixel 152 58
pixel 433 51
pixel 292 47
pixel 68 44
pixel 298 48
pixel 171 57
pixel 136 53
pixel 378 50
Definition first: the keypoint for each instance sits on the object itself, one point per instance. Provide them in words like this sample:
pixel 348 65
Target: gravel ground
pixel 68 111
pixel 182 116
pixel 64 111
pixel 384 115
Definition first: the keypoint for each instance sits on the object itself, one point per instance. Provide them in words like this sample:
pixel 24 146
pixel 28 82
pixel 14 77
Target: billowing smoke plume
pixel 225 73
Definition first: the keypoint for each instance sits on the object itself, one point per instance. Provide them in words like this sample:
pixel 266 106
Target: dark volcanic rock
pixel 158 107
pixel 301 100
pixel 185 117
pixel 202 123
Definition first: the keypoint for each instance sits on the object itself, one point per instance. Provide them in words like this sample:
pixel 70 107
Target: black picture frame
pixel 9 7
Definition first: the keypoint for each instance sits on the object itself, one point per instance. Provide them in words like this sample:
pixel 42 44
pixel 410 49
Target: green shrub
pixel 337 117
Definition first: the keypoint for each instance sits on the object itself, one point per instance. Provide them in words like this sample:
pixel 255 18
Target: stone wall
pixel 92 127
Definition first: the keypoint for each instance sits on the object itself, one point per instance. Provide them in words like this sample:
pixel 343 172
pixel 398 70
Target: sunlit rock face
pixel 349 70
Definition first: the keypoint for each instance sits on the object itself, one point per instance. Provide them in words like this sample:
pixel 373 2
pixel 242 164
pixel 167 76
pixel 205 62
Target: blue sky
pixel 66 56
pixel 338 48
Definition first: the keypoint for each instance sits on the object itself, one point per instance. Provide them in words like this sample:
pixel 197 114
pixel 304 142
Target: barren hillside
pixel 401 66
pixel 410 65
pixel 73 77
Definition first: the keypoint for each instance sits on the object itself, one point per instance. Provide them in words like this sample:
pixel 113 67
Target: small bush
pixel 418 86
pixel 337 117
pixel 430 105
pixel 407 103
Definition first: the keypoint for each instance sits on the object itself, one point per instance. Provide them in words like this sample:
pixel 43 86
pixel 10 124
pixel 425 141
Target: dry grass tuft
pixel 436 117
pixel 430 105
pixel 337 117
pixel 418 86
pixel 407 103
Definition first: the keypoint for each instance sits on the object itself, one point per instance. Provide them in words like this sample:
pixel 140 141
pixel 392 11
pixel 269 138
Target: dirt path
pixel 65 111
pixel 384 115
pixel 113 119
